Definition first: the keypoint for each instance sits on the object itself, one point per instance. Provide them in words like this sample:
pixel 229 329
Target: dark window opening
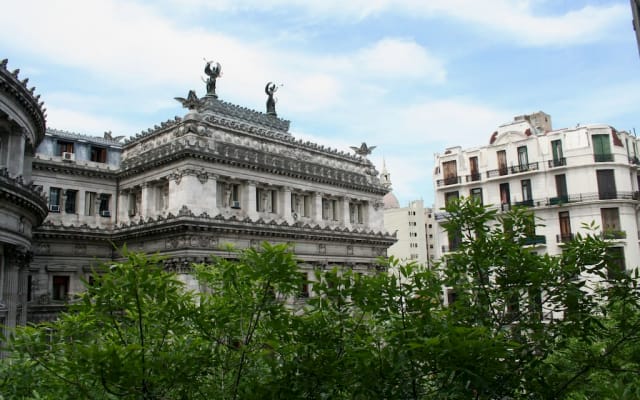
pixel 60 287
pixel 98 154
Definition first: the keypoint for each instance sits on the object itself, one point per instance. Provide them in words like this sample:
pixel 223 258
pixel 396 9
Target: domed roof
pixel 390 201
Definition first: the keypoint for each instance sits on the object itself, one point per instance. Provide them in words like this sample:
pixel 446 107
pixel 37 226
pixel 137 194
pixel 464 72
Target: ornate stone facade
pixel 22 205
pixel 187 188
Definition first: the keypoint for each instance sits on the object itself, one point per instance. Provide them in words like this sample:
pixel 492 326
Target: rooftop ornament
pixel 363 150
pixel 270 89
pixel 213 71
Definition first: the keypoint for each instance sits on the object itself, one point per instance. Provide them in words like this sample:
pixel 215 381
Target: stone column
pixel 284 196
pixel 123 205
pixel 344 208
pixel 15 161
pixel 14 292
pixel 316 206
pixel 210 195
pixel 146 202
pixel 249 200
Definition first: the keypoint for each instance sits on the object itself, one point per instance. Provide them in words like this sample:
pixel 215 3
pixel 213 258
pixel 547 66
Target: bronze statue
pixel 213 71
pixel 270 89
pixel 363 150
pixel 192 102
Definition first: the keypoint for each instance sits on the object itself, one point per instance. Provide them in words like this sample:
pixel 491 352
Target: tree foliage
pixel 522 326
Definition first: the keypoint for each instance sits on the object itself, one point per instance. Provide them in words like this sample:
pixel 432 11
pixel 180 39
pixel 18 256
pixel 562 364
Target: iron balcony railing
pixel 474 177
pixel 535 239
pixel 564 237
pixel 452 180
pixel 559 162
pixel 603 157
pixel 515 169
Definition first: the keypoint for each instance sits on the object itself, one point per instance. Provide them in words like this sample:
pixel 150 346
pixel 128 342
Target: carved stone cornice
pixel 29 197
pixel 249 158
pixel 14 87
pixel 60 167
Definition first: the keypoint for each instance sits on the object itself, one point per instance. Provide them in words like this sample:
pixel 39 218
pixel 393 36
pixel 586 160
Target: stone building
pixel 222 174
pixel 22 205
pixel 567 177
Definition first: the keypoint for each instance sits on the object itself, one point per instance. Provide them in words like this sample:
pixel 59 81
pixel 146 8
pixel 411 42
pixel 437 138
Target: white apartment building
pixel 567 177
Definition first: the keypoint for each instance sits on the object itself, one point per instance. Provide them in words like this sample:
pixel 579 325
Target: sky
pixel 411 77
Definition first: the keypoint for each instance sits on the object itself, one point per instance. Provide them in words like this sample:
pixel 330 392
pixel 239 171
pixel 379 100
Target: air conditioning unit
pixel 105 213
pixel 66 156
pixel 54 208
pixel 235 204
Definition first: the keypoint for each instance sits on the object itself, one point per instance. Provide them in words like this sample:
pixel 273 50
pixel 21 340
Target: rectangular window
pixel 606 184
pixel 98 154
pixel 610 219
pixel 450 172
pixel 476 193
pixel 615 262
pixel 561 187
pixel 133 204
pixel 60 288
pixel 265 200
pixel 54 199
pixel 473 166
pixel 523 158
pixel 526 192
pixel 29 287
pixel 449 196
pixel 70 201
pixel 601 148
pixel 565 226
pixel 355 213
pixel 229 195
pixel 505 194
pixel 556 152
pixel 65 147
pixel 90 203
pixel 105 199
pixel 502 162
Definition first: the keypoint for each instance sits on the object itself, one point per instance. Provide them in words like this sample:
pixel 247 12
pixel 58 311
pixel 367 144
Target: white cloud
pixel 400 59
pixel 513 20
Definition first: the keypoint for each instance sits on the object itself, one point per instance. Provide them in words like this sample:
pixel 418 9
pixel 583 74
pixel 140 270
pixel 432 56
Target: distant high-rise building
pixel 413 226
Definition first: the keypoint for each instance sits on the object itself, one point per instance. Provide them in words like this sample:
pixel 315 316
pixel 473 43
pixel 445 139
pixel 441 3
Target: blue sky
pixel 411 77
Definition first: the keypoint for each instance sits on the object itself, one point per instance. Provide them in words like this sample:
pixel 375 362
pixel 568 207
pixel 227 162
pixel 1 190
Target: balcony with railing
pixel 603 157
pixel 474 177
pixel 613 234
pixel 515 169
pixel 576 198
pixel 534 240
pixel 560 162
pixel 452 180
pixel 524 203
pixel 564 238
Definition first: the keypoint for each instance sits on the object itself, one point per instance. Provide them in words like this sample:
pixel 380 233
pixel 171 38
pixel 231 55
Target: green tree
pixel 523 326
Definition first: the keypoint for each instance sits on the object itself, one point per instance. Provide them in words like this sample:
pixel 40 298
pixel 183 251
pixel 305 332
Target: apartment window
pixel 502 162
pixel 65 147
pixel 565 226
pixel 105 199
pixel 476 193
pixel 505 194
pixel 98 154
pixel 615 262
pixel 561 187
pixel 70 201
pixel 60 290
pixel 606 184
pixel 610 219
pixel 450 172
pixel 556 153
pixel 601 148
pixel 54 199
pixel 449 196
pixel 527 197
pixel 523 158
pixel 90 203
pixel 473 166
pixel 452 296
